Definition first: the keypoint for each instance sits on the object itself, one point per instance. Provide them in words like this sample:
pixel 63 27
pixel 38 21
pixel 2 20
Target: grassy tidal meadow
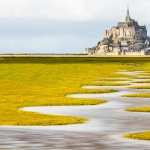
pixel 46 82
pixel 27 81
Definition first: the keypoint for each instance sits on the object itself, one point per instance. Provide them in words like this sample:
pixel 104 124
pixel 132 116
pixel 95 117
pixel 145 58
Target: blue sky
pixel 61 26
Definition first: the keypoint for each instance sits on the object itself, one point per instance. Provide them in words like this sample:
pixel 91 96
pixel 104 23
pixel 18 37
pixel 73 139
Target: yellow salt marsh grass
pixel 94 91
pixel 140 95
pixel 114 79
pixel 139 136
pixel 141 86
pixel 109 83
pixel 46 82
pixel 139 109
pixel 143 77
pixel 144 81
pixel 34 81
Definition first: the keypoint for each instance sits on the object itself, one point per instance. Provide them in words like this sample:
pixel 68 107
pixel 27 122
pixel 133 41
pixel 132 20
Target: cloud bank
pixel 61 25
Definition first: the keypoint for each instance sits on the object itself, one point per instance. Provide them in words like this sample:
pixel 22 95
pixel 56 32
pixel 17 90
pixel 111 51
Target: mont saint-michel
pixel 127 38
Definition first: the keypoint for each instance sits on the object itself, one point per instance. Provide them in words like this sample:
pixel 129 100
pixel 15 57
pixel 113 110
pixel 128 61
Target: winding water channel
pixel 104 130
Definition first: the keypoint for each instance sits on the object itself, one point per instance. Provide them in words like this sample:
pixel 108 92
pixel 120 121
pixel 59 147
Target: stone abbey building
pixel 127 38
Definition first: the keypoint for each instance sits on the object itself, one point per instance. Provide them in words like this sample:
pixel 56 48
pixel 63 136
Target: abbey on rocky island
pixel 127 38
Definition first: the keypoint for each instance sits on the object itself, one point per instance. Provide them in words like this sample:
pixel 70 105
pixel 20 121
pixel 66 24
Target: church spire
pixel 128 18
pixel 128 12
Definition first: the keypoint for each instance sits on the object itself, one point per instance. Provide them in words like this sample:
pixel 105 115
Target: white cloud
pixel 48 25
pixel 53 9
pixel 14 8
pixel 73 9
